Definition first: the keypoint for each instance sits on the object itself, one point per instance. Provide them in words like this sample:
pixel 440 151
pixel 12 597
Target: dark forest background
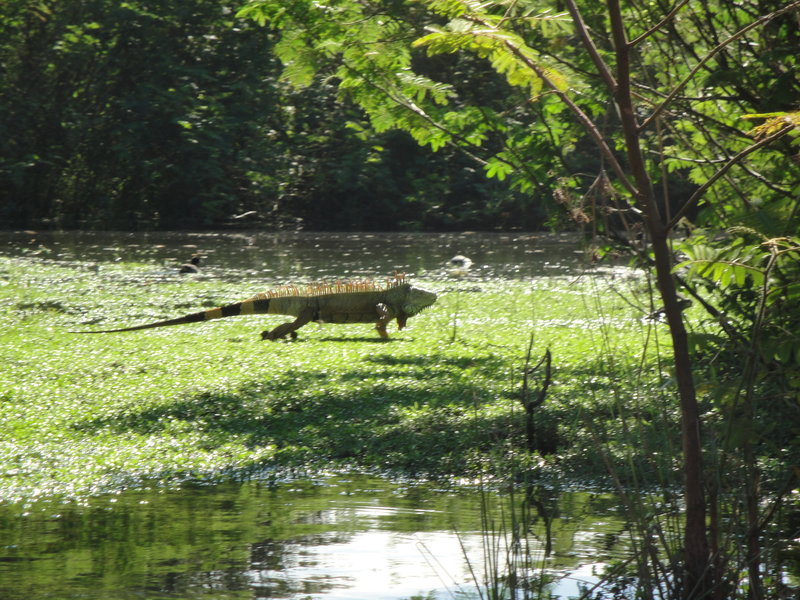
pixel 144 115
pixel 161 115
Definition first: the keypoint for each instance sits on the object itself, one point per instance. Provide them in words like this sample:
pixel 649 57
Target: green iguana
pixel 348 302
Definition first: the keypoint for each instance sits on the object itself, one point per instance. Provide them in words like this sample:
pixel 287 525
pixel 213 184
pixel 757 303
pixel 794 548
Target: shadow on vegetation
pixel 364 339
pixel 462 362
pixel 414 415
pixel 426 414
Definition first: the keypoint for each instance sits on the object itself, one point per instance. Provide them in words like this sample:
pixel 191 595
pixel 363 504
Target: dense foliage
pixel 147 115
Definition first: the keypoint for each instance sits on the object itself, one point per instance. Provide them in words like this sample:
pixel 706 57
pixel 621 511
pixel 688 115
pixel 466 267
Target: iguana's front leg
pixel 305 316
pixel 384 316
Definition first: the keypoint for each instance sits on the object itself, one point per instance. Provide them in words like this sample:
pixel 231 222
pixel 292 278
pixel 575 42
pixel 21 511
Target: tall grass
pixel 637 442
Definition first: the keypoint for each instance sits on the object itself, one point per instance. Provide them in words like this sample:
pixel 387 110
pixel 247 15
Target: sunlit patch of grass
pixel 85 413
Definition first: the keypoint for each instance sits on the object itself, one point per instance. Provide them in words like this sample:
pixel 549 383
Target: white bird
pixel 459 265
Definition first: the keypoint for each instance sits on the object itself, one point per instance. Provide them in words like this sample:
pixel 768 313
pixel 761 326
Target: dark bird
pixel 193 266
pixel 660 315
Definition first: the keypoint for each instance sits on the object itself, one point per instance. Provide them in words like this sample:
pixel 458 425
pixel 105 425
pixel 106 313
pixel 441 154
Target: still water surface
pixel 337 537
pixel 327 538
pixel 292 256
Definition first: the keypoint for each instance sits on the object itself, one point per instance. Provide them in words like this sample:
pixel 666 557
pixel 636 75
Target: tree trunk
pixel 697 581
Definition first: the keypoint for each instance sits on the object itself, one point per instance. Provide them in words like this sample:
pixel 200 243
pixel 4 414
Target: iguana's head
pixel 416 300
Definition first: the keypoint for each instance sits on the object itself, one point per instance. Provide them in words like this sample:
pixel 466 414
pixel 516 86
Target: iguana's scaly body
pixel 352 302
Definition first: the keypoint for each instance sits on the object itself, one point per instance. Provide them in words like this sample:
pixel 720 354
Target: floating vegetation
pixel 83 414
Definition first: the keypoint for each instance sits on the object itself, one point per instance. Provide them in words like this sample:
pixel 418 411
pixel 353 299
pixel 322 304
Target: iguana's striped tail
pixel 256 305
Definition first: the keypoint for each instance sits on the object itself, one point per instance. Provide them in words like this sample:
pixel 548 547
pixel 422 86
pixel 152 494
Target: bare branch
pixel 588 43
pixel 659 25
pixel 699 161
pixel 629 122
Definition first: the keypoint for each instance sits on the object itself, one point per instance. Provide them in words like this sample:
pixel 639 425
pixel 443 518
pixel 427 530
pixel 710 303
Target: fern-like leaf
pixel 775 121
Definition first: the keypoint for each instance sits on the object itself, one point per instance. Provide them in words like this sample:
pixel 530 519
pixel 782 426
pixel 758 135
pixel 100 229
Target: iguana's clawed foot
pixel 268 335
pixel 306 316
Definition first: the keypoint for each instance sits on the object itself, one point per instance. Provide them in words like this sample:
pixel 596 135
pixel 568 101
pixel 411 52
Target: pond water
pixel 302 255
pixel 335 537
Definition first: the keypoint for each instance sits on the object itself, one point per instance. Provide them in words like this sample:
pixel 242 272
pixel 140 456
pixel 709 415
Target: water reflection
pixel 303 255
pixel 354 537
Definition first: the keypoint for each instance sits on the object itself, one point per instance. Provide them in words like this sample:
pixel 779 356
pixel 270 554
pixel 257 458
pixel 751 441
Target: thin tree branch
pixel 588 43
pixel 628 121
pixel 659 25
pixel 714 51
pixel 582 117
pixel 724 169
pixel 707 161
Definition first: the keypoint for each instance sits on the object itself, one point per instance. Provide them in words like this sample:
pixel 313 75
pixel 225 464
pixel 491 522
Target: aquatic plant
pixel 85 414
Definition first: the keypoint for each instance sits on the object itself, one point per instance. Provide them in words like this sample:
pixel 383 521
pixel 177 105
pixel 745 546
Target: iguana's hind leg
pixel 280 331
pixel 384 316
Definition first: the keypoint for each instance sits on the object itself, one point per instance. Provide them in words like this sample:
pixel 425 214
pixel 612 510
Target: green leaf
pixel 498 169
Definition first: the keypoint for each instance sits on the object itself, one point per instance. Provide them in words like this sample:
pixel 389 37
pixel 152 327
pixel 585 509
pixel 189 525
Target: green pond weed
pixel 83 414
